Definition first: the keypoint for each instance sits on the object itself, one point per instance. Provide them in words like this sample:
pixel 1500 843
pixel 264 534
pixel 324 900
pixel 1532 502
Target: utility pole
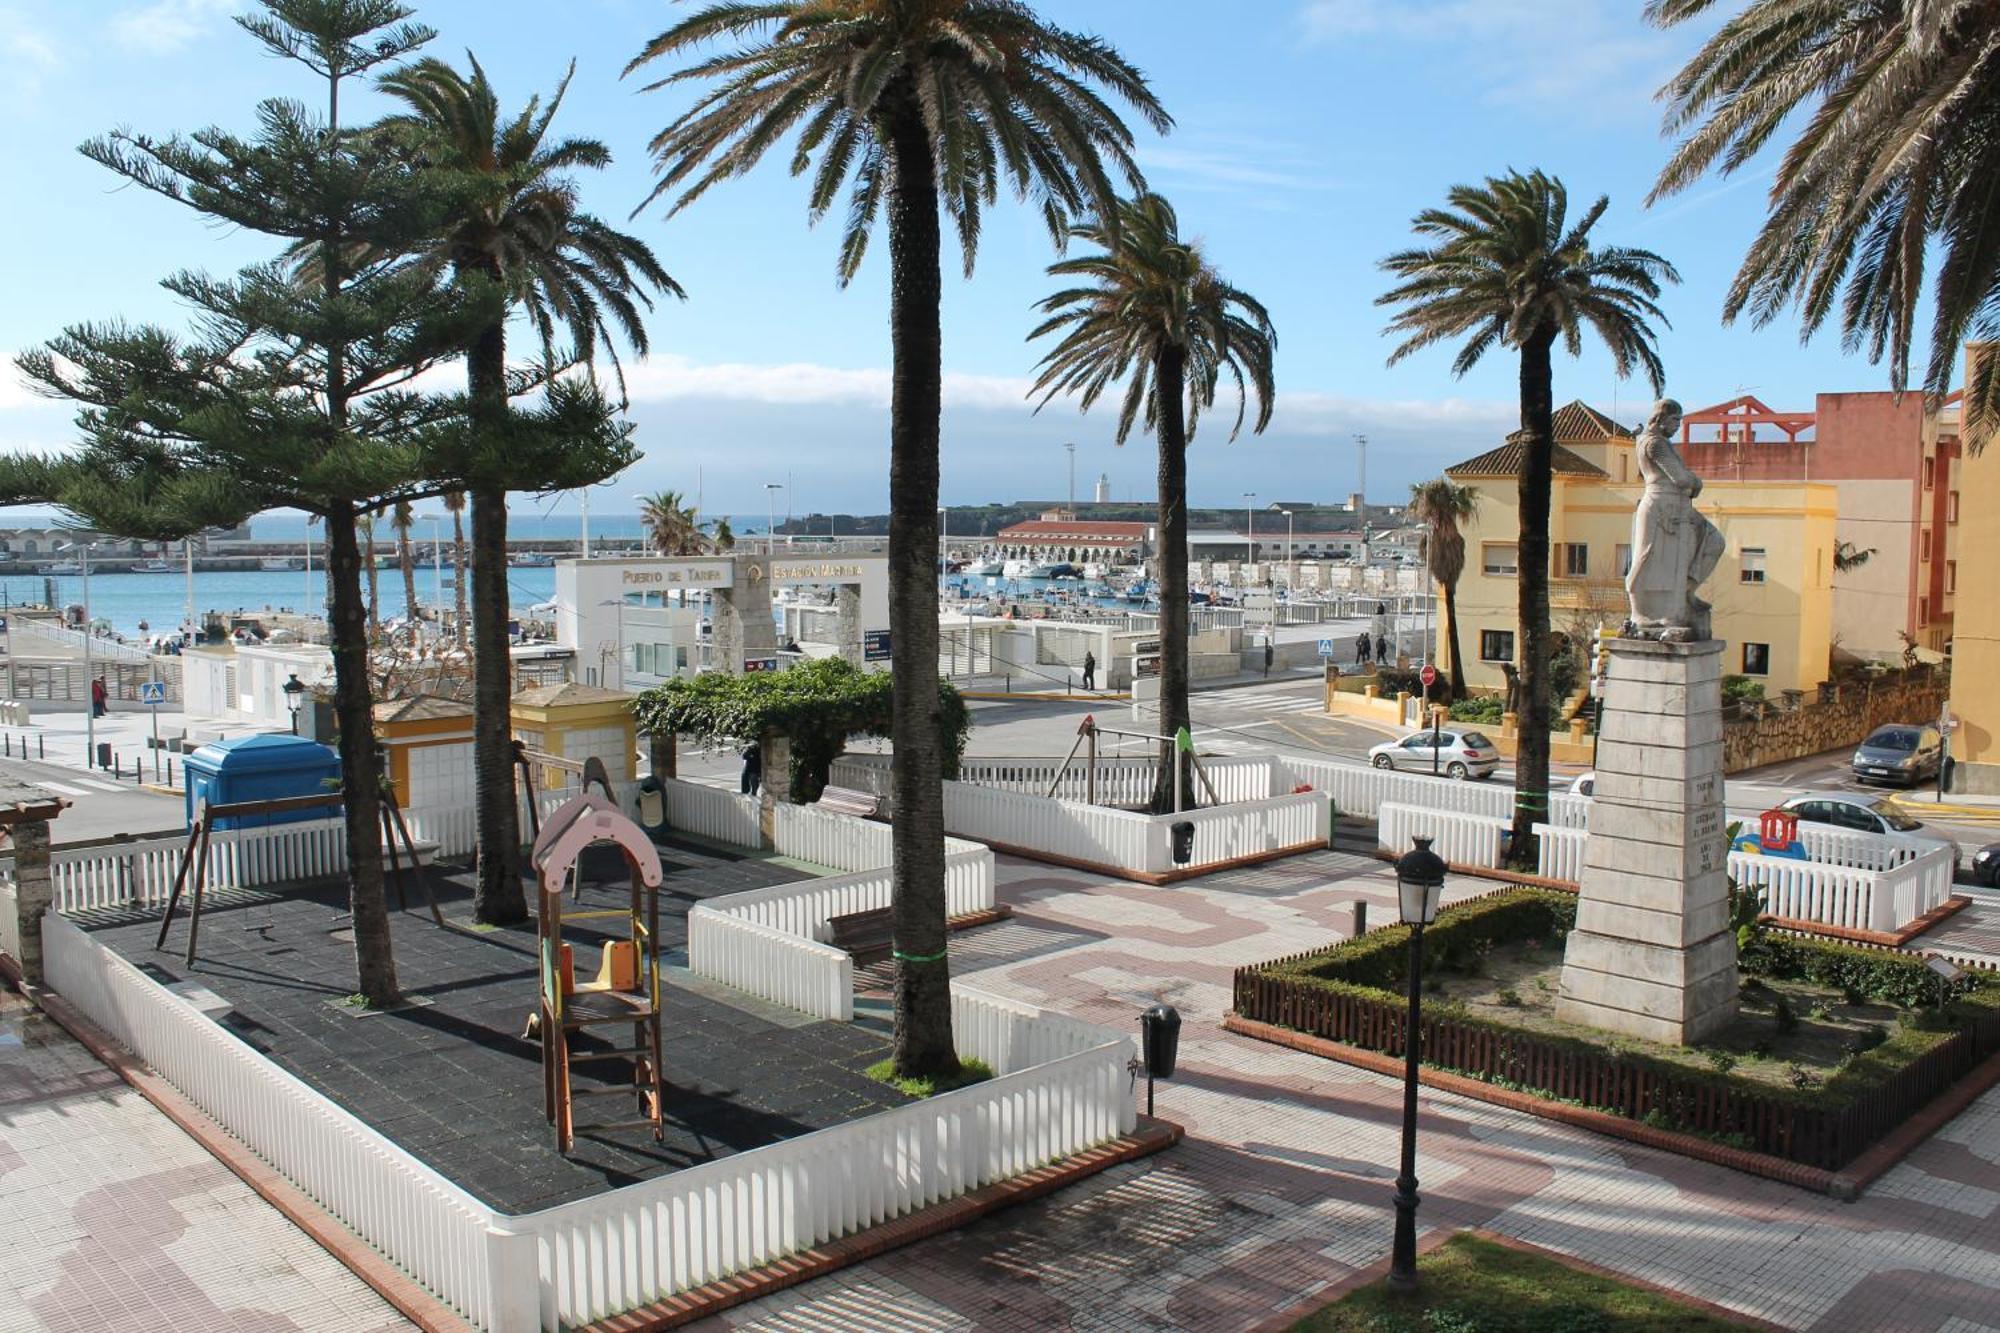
pixel 1072 475
pixel 1249 528
pixel 1361 446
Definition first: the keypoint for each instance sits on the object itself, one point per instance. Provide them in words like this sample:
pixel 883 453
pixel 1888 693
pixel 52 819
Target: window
pixel 1496 645
pixel 1756 659
pixel 1951 507
pixel 1575 560
pixel 1951 576
pixel 1624 554
pixel 1501 560
pixel 1751 563
pixel 1924 546
pixel 1930 473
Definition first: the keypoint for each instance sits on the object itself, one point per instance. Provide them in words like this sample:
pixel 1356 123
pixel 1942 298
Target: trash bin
pixel 1183 832
pixel 1160 1032
pixel 652 806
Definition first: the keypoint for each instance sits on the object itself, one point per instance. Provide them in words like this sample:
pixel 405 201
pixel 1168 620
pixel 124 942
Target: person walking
pixel 1364 648
pixel 100 698
pixel 753 770
pixel 1269 654
pixel 1382 650
pixel 1089 670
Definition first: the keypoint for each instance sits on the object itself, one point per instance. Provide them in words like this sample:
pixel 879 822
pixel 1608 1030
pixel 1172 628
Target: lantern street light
pixel 1419 885
pixel 295 693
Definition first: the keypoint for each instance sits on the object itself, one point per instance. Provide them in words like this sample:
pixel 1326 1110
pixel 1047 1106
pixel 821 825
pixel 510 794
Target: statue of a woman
pixel 1674 547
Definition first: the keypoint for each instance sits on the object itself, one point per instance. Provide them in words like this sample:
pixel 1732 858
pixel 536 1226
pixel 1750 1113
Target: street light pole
pixel 89 680
pixel 1249 529
pixel 771 517
pixel 437 564
pixel 1419 886
pixel 1072 474
pixel 192 628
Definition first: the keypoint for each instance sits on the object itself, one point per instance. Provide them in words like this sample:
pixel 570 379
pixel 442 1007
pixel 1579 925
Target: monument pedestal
pixel 1652 955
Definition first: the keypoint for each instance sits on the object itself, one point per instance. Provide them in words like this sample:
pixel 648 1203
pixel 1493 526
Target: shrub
pixel 1788 1020
pixel 1461 937
pixel 1900 979
pixel 1484 710
pixel 1803 1079
pixel 1867 1039
pixel 1719 1060
pixel 1736 688
pixel 1511 998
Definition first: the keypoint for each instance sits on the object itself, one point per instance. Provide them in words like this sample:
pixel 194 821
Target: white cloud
pixel 167 25
pixel 667 377
pixel 1545 52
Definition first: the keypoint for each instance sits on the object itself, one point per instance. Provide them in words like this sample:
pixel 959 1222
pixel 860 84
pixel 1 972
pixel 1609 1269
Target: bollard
pixel 41 746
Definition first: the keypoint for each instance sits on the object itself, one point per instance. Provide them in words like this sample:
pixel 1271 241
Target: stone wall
pixel 1842 716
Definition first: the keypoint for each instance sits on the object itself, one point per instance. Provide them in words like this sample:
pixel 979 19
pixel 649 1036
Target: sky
pixel 1308 133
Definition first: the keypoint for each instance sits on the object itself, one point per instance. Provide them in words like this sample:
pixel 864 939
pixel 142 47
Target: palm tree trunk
pixel 1537 481
pixel 373 957
pixel 1169 374
pixel 406 558
pixel 458 569
pixel 923 972
pixel 497 899
pixel 1451 639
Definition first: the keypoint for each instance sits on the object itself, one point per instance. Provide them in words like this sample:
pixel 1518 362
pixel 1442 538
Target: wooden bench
pixel 848 801
pixel 863 933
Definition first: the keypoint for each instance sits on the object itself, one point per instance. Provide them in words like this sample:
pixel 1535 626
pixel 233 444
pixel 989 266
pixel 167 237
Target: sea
pixel 135 605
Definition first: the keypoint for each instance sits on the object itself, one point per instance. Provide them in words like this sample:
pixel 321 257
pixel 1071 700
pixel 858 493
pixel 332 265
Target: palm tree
pixel 1848 557
pixel 1893 164
pixel 454 503
pixel 1509 269
pixel 910 106
pixel 673 527
pixel 1149 311
pixel 516 228
pixel 402 519
pixel 722 535
pixel 1444 507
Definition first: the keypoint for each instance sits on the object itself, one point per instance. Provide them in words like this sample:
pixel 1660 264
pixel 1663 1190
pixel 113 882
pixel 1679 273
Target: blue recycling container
pixel 257 768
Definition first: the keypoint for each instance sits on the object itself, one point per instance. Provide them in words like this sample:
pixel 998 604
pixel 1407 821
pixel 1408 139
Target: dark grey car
pixel 1902 753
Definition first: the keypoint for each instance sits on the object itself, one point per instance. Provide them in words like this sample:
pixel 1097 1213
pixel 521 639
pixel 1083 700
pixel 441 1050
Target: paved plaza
pixel 1282 1187
pixel 112 1220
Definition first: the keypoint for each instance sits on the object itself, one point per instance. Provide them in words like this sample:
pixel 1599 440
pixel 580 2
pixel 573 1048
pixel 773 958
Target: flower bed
pixel 1353 994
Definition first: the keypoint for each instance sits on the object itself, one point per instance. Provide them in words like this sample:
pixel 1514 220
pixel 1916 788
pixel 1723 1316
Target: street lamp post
pixel 295 690
pixel 618 602
pixel 1419 885
pixel 1249 529
pixel 89 680
pixel 771 517
pixel 1291 570
pixel 437 564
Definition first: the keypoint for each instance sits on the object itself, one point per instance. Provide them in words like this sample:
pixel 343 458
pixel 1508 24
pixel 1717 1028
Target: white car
pixel 1868 814
pixel 1458 754
pixel 1585 784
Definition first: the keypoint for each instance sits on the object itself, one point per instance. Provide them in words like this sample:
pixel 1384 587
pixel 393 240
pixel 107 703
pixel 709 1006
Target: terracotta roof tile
pixel 1506 461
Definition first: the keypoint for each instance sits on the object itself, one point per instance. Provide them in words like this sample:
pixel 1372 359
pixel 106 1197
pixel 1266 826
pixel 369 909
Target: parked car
pixel 1585 784
pixel 1908 753
pixel 1459 754
pixel 1868 814
pixel 1986 865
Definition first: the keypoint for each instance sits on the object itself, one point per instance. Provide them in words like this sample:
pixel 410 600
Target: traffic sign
pixel 153 692
pixel 753 664
pixel 1428 675
pixel 875 645
pixel 1326 647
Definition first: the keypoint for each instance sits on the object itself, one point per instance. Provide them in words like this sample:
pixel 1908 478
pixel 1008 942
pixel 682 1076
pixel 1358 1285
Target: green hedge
pixel 1894 978
pixel 1380 959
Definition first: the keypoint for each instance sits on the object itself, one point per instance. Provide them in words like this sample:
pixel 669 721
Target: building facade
pixel 1060 537
pixel 1772 593
pixel 1897 479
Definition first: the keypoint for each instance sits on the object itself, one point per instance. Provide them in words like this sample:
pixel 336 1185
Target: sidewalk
pixel 112 1219
pixel 63 737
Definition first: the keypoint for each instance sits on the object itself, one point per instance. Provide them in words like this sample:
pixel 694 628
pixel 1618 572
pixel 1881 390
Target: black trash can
pixel 1160 1035
pixel 1183 841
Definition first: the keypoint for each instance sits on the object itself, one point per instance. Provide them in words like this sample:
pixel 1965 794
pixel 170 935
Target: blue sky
pixel 1309 132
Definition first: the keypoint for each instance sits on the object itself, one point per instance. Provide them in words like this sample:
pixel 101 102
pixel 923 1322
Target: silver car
pixel 1869 814
pixel 1457 754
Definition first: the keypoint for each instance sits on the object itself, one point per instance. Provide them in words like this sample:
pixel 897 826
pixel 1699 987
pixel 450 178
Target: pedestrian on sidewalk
pixel 1363 647
pixel 1089 670
pixel 753 770
pixel 100 698
pixel 1382 649
pixel 1269 653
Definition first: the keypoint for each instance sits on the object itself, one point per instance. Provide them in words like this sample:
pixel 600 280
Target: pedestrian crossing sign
pixel 1326 647
pixel 152 692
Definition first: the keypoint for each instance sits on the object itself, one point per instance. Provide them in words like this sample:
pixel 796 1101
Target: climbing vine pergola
pixel 816 706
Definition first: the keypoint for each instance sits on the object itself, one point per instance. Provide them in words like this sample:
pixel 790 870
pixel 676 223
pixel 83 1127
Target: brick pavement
pixel 1283 1185
pixel 113 1219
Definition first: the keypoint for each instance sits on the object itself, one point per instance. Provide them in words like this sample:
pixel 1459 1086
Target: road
pixel 99 807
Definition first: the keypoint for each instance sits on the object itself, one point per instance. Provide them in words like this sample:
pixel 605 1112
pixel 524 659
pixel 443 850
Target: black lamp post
pixel 295 692
pixel 1419 885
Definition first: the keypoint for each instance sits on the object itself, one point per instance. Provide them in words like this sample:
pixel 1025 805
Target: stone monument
pixel 1652 954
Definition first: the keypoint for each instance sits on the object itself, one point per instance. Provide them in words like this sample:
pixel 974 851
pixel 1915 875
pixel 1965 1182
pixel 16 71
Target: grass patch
pixel 969 1072
pixel 1470 1285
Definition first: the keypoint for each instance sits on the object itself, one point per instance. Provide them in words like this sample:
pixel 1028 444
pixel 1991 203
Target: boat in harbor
pixel 531 560
pixel 152 567
pixel 63 567
pixel 986 569
pixel 279 564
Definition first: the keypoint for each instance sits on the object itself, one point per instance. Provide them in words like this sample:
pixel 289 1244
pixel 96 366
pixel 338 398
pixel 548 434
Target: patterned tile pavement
pixel 113 1219
pixel 1283 1185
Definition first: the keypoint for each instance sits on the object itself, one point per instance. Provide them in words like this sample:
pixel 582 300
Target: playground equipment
pixel 626 988
pixel 1777 835
pixel 1087 732
pixel 229 816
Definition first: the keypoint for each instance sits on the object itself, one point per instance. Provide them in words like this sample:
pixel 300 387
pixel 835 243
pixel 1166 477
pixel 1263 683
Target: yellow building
pixel 1772 593
pixel 1975 649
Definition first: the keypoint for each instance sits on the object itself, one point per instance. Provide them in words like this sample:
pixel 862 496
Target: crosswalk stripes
pixel 65 789
pixel 1278 704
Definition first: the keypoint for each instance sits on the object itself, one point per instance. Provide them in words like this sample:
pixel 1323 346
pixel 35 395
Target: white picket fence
pixel 140 872
pixel 1062 1087
pixel 1847 897
pixel 423 1223
pixel 711 812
